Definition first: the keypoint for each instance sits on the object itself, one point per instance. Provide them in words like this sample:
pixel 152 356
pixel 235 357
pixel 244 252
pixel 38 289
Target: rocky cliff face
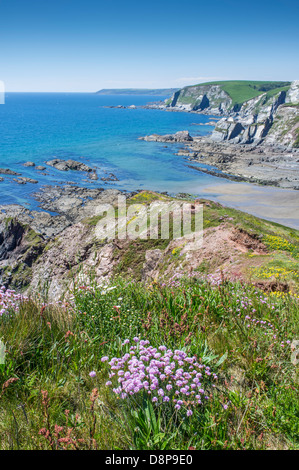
pixel 20 246
pixel 271 120
pixel 208 98
pixel 271 117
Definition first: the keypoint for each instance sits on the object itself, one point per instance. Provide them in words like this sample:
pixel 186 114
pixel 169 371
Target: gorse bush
pixel 201 363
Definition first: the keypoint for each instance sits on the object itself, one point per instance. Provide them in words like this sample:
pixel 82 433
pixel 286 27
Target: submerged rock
pixel 93 175
pixel 110 177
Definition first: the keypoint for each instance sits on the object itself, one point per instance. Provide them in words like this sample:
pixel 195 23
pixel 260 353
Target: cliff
pixel 253 112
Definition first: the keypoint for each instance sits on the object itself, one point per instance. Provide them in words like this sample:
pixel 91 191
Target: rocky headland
pixel 255 140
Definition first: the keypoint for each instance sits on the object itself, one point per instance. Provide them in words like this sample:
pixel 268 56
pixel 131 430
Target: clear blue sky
pixel 86 45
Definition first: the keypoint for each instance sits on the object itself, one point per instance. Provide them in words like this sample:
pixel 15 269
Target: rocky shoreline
pixel 60 165
pixel 264 165
pixel 62 206
pixel 256 143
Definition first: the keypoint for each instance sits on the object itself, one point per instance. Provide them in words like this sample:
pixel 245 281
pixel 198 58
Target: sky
pixel 87 45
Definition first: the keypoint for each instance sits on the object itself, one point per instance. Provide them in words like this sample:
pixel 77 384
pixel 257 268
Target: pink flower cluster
pixel 165 375
pixel 9 300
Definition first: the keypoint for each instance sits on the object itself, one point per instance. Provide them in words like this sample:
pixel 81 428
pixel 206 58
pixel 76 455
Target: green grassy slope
pixel 49 400
pixel 244 90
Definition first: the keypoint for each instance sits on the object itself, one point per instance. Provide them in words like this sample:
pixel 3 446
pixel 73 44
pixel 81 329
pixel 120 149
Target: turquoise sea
pixel 38 126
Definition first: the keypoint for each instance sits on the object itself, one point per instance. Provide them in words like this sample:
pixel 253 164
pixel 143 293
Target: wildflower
pixel 168 376
pixel 92 374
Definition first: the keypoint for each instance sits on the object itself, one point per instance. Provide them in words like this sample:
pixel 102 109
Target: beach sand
pixel 278 205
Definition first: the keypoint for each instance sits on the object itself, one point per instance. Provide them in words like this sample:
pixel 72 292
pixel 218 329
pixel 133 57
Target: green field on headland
pixel 244 90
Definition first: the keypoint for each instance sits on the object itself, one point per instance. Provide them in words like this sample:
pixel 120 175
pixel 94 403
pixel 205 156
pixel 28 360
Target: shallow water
pixel 39 126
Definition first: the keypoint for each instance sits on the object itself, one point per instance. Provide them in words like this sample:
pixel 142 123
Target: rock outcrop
pixel 208 98
pixel 270 116
pixel 67 165
pixel 23 180
pixel 181 136
pixel 20 246
pixel 7 171
pixel 270 121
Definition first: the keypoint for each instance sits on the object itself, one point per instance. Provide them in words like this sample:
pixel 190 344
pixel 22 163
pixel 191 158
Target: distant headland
pixel 138 91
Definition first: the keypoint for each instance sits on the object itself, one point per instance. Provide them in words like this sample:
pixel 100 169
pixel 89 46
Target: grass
pixel 48 400
pixel 244 90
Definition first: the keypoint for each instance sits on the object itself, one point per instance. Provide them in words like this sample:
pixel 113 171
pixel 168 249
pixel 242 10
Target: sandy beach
pixel 278 205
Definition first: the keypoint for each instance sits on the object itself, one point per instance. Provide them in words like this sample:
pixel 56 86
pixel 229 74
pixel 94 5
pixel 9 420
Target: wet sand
pixel 277 205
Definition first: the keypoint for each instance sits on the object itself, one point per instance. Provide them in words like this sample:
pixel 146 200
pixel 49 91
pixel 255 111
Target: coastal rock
pixel 7 171
pixel 119 106
pixel 40 167
pixel 24 180
pixel 29 164
pixel 20 246
pixel 75 203
pixel 152 258
pixel 181 136
pixel 293 93
pixel 201 98
pixel 267 164
pixel 110 177
pixel 93 175
pixel 256 117
pixel 67 165
pixel 226 130
pixel 253 117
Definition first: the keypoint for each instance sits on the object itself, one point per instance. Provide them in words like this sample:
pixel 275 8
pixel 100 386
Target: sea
pixel 38 127
pixel 41 126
